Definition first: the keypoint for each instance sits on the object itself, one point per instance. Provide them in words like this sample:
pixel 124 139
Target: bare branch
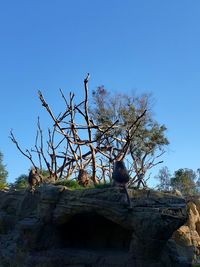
pixel 27 154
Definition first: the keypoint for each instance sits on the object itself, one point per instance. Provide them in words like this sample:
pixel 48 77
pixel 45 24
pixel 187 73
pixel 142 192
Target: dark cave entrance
pixel 92 231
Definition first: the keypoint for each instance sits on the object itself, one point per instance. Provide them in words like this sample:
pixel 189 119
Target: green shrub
pixel 72 184
pixel 102 186
pixel 21 182
pixel 3 186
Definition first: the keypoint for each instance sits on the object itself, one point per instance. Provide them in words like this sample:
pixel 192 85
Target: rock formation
pixel 56 227
pixel 187 237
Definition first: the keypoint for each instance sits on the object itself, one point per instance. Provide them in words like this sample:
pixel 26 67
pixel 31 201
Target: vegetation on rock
pixel 3 173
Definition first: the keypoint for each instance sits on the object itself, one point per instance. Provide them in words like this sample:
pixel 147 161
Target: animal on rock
pixel 120 174
pixel 83 178
pixel 121 177
pixel 36 178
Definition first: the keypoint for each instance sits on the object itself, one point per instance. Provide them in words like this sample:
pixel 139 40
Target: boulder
pixel 187 237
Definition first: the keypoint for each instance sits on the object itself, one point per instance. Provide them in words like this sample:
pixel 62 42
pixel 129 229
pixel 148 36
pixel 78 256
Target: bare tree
pixel 77 142
pixel 70 145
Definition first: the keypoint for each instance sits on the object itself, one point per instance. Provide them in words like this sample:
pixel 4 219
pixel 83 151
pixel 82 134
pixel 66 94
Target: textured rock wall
pixel 89 228
pixel 187 237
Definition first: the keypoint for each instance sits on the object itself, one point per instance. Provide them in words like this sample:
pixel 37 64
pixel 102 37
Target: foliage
pixel 72 184
pixel 184 181
pixel 3 172
pixel 147 140
pixel 164 178
pixel 21 182
pixel 115 127
pixel 102 185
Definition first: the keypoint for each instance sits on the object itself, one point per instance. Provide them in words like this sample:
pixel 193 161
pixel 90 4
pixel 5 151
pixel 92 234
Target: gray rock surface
pixel 56 227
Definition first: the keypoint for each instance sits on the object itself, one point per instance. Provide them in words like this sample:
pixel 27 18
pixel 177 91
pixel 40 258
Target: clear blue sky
pixel 147 45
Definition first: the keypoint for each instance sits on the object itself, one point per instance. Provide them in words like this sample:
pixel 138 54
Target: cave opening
pixel 92 231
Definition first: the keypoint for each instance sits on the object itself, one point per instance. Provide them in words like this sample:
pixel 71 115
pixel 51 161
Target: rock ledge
pixel 88 228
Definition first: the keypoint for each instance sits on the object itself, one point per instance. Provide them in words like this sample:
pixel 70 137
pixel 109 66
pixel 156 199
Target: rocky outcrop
pixel 88 228
pixel 187 237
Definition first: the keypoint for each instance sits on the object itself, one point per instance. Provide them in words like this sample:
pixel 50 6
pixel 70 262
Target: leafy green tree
pixel 3 172
pixel 21 182
pixel 185 181
pixel 164 179
pixel 148 138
